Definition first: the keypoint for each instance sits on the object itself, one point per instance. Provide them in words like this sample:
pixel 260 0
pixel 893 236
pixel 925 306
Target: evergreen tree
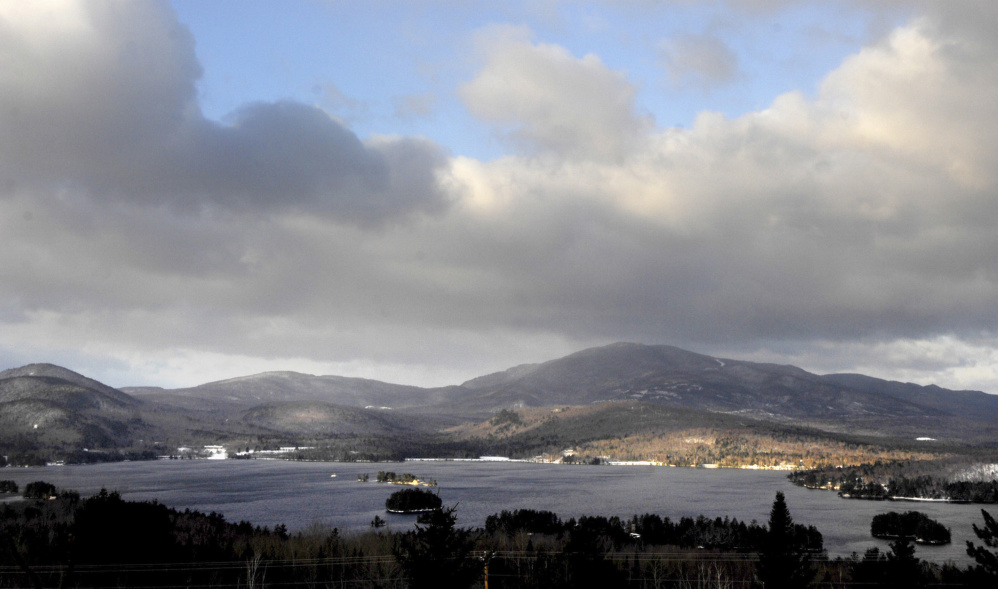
pixel 437 554
pixel 904 569
pixel 783 561
pixel 871 570
pixel 987 560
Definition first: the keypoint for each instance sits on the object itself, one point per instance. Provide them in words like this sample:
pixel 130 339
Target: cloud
pixel 335 99
pixel 862 213
pixel 918 94
pixel 86 83
pixel 701 60
pixel 289 156
pixel 860 219
pixel 100 97
pixel 545 99
pixel 414 106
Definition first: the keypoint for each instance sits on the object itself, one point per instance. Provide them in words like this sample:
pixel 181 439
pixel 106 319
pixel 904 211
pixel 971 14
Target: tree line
pixel 701 532
pixel 105 541
pixel 870 482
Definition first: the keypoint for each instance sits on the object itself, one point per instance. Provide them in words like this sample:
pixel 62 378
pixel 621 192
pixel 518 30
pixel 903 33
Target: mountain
pixel 50 412
pixel 965 404
pixel 59 406
pixel 663 375
pixel 315 418
pixel 38 372
pixel 277 387
pixel 676 377
pixel 672 377
pixel 628 390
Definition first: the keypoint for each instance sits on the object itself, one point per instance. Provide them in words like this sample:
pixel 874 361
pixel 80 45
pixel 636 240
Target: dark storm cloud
pixel 101 100
pixel 290 156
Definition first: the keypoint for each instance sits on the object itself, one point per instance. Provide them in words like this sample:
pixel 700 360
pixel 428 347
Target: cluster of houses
pixel 218 452
pixel 209 452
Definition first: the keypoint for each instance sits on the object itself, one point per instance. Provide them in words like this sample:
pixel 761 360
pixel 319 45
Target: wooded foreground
pixel 62 540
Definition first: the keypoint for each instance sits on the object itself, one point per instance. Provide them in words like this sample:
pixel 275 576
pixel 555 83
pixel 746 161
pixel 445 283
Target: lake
pixel 298 494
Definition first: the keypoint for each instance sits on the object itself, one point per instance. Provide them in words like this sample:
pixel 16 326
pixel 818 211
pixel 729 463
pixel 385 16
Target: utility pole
pixel 485 558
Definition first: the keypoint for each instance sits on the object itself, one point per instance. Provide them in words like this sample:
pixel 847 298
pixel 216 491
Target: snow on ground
pixel 978 472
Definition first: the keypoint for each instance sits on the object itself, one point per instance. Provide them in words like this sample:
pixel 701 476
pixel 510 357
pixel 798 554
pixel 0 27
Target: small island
pixel 393 478
pixel 911 524
pixel 412 501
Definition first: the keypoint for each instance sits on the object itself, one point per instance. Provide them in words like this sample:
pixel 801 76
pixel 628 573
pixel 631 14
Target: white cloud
pixel 921 98
pixel 864 212
pixel 544 98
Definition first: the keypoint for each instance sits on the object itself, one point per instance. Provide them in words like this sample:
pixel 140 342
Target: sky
pixel 425 192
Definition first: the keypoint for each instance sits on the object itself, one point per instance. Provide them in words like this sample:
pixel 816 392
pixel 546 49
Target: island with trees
pixel 393 478
pixel 898 481
pixel 413 501
pixel 910 524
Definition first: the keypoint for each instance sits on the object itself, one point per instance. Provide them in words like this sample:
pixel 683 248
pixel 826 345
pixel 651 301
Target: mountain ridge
pixel 70 408
pixel 677 377
pixel 286 386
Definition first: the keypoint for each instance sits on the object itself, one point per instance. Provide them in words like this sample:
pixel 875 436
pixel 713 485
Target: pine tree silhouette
pixel 987 560
pixel 904 569
pixel 783 561
pixel 437 554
